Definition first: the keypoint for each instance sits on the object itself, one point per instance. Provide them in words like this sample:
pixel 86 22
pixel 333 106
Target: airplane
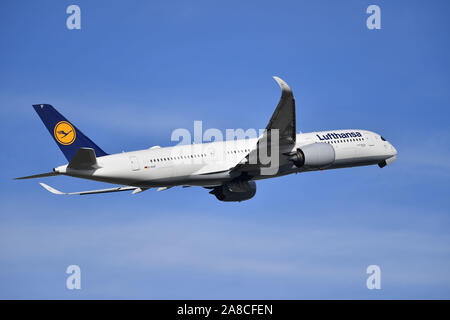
pixel 228 168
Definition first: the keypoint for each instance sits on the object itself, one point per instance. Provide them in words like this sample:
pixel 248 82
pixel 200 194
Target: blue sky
pixel 135 72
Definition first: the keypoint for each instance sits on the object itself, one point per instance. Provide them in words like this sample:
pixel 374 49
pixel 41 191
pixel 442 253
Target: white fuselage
pixel 209 164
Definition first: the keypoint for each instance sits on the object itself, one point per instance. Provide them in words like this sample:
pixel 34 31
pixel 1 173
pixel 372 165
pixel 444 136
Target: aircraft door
pixel 370 140
pixel 134 162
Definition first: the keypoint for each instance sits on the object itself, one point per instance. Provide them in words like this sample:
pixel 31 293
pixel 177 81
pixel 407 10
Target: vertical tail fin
pixel 68 137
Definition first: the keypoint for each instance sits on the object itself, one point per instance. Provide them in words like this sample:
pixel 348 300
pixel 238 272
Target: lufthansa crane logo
pixel 64 133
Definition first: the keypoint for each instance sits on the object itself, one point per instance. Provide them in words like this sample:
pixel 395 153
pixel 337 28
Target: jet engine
pixel 315 155
pixel 239 190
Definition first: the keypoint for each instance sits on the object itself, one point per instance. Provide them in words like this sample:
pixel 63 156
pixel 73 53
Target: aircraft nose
pixel 393 150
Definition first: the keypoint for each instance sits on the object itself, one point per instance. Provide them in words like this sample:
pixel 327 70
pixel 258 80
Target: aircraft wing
pixel 283 117
pixel 283 120
pixel 117 189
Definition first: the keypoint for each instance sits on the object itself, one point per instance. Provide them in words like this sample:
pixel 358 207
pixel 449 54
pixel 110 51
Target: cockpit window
pixel 382 138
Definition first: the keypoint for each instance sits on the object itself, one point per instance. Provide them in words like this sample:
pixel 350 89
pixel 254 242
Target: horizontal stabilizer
pixel 117 189
pixel 84 159
pixel 41 175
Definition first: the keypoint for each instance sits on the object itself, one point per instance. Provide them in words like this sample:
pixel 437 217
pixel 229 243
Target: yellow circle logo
pixel 64 133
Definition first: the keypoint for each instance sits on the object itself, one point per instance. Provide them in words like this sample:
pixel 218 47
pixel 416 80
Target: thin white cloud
pixel 223 246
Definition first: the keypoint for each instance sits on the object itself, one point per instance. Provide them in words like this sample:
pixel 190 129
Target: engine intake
pixel 239 190
pixel 315 155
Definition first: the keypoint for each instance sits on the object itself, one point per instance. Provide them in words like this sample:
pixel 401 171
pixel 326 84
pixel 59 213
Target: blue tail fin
pixel 68 137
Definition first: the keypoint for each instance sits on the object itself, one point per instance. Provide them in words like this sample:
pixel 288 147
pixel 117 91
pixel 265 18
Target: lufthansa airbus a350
pixel 228 169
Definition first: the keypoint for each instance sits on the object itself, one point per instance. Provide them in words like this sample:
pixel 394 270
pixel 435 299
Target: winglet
pixel 50 189
pixel 283 85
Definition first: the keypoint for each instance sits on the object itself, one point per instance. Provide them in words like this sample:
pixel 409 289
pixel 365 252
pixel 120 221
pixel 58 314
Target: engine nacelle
pixel 315 155
pixel 235 191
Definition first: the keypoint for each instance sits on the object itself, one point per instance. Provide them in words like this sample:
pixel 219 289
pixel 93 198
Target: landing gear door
pixel 134 162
